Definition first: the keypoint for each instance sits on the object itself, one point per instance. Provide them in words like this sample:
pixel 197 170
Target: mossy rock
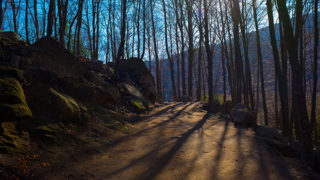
pixel 67 107
pixel 130 90
pixel 138 105
pixel 13 105
pixel 51 133
pixel 111 119
pixel 9 71
pixel 13 140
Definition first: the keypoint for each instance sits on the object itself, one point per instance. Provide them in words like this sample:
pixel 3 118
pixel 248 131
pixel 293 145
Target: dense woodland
pixel 212 48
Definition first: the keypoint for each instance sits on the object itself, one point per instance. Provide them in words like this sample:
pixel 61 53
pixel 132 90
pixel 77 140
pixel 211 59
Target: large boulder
pixel 241 115
pixel 9 71
pixel 132 98
pixel 13 51
pixel 226 107
pixel 13 104
pixel 91 94
pixel 110 118
pixel 138 72
pixel 53 56
pixel 67 108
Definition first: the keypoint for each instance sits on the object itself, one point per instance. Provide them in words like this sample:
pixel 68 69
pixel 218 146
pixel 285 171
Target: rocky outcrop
pixel 63 90
pixel 241 115
pixel 13 105
pixel 136 70
pixel 66 108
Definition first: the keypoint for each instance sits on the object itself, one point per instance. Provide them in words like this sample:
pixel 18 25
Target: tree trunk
pixel 235 11
pixel 282 90
pixel 62 13
pixel 144 29
pixel 259 55
pixel 50 20
pixel 183 72
pixel 79 24
pixel 190 48
pixel 209 54
pixel 174 93
pixel 36 24
pixel 315 71
pixel 120 53
pixel 26 22
pixel 158 72
pixel 299 110
pixel 14 15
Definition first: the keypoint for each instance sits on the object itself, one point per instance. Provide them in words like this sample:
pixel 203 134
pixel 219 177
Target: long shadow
pixel 165 159
pixel 126 138
pixel 162 145
pixel 257 153
pixel 262 164
pixel 217 158
pixel 163 111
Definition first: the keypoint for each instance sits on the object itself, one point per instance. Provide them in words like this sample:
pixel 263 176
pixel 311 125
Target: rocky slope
pixel 46 93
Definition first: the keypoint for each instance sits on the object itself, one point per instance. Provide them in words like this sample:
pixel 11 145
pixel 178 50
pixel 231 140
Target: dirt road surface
pixel 180 141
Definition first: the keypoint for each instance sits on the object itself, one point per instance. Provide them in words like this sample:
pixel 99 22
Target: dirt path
pixel 179 141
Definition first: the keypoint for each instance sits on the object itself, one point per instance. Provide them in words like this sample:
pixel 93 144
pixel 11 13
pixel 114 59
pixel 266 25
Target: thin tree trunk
pixel 174 93
pixel 158 72
pixel 238 58
pixel 259 55
pixel 26 21
pixel 62 12
pixel 36 24
pixel 144 29
pixel 123 31
pixel 209 54
pixel 315 71
pixel 190 48
pixel 183 72
pixel 300 113
pixel 282 91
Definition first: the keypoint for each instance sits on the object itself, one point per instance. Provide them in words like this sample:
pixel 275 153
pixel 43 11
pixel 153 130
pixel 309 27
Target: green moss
pixel 53 133
pixel 111 119
pixel 14 112
pixel 138 104
pixel 11 91
pixel 65 105
pixel 216 98
pixel 13 140
pixel 13 105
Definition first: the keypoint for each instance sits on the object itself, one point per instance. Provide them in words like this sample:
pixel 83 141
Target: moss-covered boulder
pixel 13 105
pixel 66 108
pixel 12 138
pixel 137 105
pixel 111 119
pixel 92 95
pixel 9 71
pixel 132 98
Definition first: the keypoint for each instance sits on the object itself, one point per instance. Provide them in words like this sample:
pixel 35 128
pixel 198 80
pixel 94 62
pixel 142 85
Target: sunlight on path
pixel 179 141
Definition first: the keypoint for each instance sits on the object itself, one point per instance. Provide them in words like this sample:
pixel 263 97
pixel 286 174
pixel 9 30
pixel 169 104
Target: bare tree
pixel 158 72
pixel 36 23
pixel 123 30
pixel 51 15
pixel 315 70
pixel 168 52
pixel 189 4
pixel 209 51
pixel 260 63
pixel 62 14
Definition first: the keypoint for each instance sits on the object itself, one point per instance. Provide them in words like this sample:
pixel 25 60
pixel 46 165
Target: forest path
pixel 181 141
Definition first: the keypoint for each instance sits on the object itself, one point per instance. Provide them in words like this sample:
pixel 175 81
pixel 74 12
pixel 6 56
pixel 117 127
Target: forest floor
pixel 177 141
